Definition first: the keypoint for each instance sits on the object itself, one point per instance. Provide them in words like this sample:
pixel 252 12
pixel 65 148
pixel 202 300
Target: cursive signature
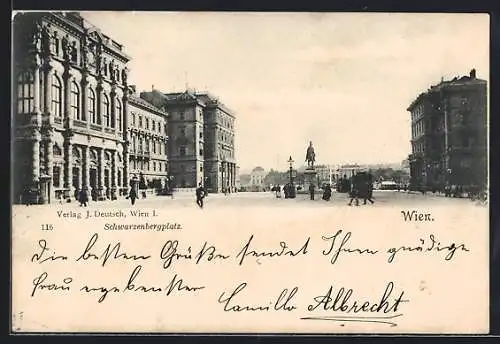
pixel 283 302
pixel 342 302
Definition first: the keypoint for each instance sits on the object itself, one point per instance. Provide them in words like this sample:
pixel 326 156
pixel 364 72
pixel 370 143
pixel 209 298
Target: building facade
pixel 71 115
pixel 449 134
pixel 325 174
pixel 201 145
pixel 148 136
pixel 257 178
pixel 71 96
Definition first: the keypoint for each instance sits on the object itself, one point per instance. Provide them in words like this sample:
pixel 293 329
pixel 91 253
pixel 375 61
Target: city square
pixel 268 201
pixel 84 130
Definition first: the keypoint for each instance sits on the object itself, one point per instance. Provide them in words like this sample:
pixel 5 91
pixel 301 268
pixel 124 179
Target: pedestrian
pixel 327 193
pixel 311 191
pixel 354 192
pixel 200 194
pixel 83 197
pixel 132 195
pixel 369 189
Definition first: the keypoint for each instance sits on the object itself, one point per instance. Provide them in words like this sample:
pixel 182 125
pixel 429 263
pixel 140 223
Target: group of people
pixel 288 190
pixel 361 188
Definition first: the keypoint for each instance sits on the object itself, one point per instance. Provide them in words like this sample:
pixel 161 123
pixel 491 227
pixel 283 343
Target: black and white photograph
pixel 250 172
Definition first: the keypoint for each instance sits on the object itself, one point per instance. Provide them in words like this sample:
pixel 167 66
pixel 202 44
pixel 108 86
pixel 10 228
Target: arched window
pixel 25 92
pixel 106 118
pixel 56 104
pixel 75 101
pixel 91 106
pixel 118 114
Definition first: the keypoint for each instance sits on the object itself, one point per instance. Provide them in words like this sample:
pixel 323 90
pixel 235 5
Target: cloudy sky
pixel 343 81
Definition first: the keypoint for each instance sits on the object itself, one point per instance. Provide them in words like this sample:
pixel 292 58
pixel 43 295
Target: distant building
pixel 325 174
pixel 257 177
pixel 349 170
pixel 449 128
pixel 201 139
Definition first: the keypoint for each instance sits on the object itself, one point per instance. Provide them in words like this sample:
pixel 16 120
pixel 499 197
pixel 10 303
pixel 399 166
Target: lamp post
pixel 291 188
pixel 290 162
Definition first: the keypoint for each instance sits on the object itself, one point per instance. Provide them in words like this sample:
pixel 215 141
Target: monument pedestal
pixel 310 178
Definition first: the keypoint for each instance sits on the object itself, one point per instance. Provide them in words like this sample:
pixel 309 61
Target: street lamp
pixel 290 162
pixel 291 188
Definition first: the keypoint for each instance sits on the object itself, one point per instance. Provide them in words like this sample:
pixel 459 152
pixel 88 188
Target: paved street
pixel 267 199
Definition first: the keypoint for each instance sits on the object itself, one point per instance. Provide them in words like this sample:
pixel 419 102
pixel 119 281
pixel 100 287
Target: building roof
pixel 203 98
pixel 466 80
pixel 145 104
pixel 258 169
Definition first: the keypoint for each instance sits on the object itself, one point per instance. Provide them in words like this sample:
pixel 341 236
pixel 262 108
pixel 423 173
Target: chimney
pixel 473 73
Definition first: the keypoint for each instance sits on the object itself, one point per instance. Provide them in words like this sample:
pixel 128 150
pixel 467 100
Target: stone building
pixel 201 144
pixel 325 174
pixel 70 117
pixel 148 137
pixel 257 177
pixel 449 134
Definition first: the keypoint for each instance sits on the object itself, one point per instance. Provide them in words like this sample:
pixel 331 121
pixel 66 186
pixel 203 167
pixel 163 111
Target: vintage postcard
pixel 188 172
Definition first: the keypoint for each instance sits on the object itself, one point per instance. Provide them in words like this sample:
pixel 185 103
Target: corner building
pixel 70 117
pixel 449 134
pixel 201 139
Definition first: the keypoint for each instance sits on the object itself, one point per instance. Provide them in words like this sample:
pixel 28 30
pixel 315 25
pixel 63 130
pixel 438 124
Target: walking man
pixel 83 197
pixel 200 194
pixel 132 195
pixel 354 192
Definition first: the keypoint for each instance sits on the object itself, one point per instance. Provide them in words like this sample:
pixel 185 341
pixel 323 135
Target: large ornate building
pixel 201 139
pixel 449 134
pixel 71 97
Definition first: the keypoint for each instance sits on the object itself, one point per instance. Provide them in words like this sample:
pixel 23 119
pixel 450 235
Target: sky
pixel 340 80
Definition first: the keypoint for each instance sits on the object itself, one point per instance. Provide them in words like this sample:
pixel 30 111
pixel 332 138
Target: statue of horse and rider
pixel 310 156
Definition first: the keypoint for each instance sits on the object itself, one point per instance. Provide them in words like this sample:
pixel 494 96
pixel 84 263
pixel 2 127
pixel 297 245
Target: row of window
pixel 226 137
pixel 109 69
pixel 26 97
pixel 140 144
pixel 152 166
pixel 418 129
pixel 183 151
pixel 417 112
pixel 155 126
pixel 226 122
